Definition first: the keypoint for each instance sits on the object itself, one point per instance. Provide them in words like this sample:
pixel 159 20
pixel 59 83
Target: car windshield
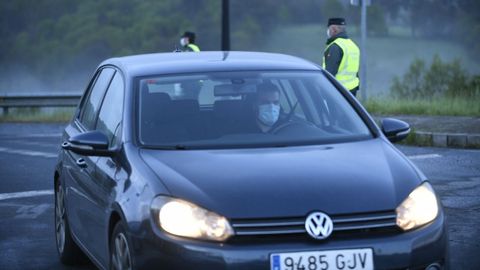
pixel 244 109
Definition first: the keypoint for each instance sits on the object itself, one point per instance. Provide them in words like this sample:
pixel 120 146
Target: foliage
pixel 376 19
pixel 411 84
pixel 435 19
pixel 440 80
pixel 62 41
pixel 333 8
pixel 377 24
pixel 62 115
pixel 469 26
pixel 442 106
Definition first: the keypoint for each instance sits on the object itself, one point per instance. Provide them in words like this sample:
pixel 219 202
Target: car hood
pixel 356 177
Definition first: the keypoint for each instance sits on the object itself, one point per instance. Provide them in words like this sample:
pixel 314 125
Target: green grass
pixel 450 107
pixel 417 139
pixel 386 56
pixel 383 106
pixel 37 115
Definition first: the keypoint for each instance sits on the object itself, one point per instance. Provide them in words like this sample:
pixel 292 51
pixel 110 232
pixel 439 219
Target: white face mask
pixel 268 114
pixel 328 32
pixel 183 42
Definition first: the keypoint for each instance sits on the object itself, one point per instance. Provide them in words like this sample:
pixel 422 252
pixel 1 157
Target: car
pixel 238 160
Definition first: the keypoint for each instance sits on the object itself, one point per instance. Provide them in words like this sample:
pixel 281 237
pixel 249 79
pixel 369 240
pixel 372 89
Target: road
pixel 28 155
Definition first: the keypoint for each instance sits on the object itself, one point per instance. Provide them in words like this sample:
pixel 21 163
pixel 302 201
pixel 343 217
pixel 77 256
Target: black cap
pixel 190 36
pixel 336 21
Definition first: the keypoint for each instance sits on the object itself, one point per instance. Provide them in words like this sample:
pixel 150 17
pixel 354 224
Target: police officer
pixel 188 42
pixel 342 56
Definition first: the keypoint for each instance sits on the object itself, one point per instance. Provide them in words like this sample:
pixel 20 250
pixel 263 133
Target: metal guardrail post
pixel 4 109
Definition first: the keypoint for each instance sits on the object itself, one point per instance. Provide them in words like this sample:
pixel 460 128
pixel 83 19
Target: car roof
pixel 192 62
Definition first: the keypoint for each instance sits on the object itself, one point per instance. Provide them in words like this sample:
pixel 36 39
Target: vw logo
pixel 319 225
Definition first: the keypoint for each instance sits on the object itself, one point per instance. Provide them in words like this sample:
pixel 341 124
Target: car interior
pixel 201 109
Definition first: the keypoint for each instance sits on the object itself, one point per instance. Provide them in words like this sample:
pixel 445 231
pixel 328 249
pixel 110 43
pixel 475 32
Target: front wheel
pixel 69 252
pixel 120 255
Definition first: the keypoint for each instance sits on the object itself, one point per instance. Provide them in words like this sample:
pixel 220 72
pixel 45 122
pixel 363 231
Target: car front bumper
pixel 415 249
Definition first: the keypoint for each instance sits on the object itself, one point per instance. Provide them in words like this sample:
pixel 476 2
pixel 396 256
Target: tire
pixel 68 250
pixel 120 249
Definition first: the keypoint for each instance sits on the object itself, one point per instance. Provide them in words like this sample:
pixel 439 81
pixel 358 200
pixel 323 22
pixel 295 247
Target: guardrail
pixel 63 100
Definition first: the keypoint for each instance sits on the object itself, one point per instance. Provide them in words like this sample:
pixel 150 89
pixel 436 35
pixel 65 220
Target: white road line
pixel 426 156
pixel 31 143
pixel 32 211
pixel 28 153
pixel 45 135
pixel 25 194
pixel 39 135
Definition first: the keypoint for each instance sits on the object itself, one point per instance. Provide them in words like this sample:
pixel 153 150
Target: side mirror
pixel 91 143
pixel 395 130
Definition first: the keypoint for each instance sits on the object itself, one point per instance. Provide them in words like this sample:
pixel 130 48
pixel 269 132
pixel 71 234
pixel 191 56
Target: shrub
pixel 440 80
pixel 411 84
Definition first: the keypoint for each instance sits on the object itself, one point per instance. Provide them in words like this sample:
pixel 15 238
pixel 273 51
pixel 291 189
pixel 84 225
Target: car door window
pixel 110 116
pixel 92 104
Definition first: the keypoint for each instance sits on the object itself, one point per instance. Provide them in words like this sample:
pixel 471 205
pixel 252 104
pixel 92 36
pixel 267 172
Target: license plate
pixel 346 259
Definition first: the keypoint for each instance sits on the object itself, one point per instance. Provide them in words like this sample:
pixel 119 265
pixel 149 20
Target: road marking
pixel 25 194
pixel 45 135
pixel 426 156
pixel 28 153
pixel 39 135
pixel 32 211
pixel 31 143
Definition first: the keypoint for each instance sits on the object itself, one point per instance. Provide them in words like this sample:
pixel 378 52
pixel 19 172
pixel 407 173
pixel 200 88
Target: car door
pixel 80 170
pixel 108 169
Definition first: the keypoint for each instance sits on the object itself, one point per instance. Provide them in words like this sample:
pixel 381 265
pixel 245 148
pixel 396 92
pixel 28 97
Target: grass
pixel 450 107
pixel 386 56
pixel 417 139
pixel 37 115
pixel 377 106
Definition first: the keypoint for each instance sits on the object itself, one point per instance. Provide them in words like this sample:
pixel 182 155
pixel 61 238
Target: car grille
pixel 368 222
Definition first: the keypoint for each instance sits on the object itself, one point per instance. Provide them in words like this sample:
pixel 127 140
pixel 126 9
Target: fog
pixel 52 47
pixel 22 81
pixel 387 56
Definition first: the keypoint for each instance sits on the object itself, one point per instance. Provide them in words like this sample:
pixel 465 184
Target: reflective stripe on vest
pixel 348 69
pixel 194 47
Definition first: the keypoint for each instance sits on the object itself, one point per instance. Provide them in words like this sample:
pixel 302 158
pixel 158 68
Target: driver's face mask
pixel 268 113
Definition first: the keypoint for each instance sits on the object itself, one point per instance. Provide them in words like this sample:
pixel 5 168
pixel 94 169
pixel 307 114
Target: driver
pixel 267 107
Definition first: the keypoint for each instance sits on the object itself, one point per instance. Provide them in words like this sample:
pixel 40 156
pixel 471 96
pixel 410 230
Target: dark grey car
pixel 236 160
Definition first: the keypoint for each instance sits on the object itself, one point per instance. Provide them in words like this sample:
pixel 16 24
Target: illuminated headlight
pixel 186 219
pixel 419 208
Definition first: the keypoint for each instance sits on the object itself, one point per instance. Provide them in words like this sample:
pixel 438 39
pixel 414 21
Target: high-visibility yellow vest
pixel 193 47
pixel 348 69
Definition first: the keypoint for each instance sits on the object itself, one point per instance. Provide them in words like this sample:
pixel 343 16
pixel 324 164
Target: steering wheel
pixel 290 126
pixel 290 123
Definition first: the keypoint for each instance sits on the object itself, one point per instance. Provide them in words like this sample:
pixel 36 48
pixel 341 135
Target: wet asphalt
pixel 27 159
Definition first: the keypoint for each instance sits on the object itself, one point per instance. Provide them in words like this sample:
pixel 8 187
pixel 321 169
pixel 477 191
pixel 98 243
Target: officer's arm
pixel 333 57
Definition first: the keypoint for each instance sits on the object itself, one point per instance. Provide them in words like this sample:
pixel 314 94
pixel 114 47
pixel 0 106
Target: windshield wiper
pixel 180 147
pixel 170 147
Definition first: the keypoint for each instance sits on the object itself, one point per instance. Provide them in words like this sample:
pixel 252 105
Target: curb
pixel 451 140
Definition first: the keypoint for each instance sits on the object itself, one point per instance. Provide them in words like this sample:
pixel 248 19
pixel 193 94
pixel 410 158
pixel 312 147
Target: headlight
pixel 186 219
pixel 419 208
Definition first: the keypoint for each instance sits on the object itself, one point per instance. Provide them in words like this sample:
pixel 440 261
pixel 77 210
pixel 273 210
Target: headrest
pixel 229 107
pixel 158 97
pixel 186 106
